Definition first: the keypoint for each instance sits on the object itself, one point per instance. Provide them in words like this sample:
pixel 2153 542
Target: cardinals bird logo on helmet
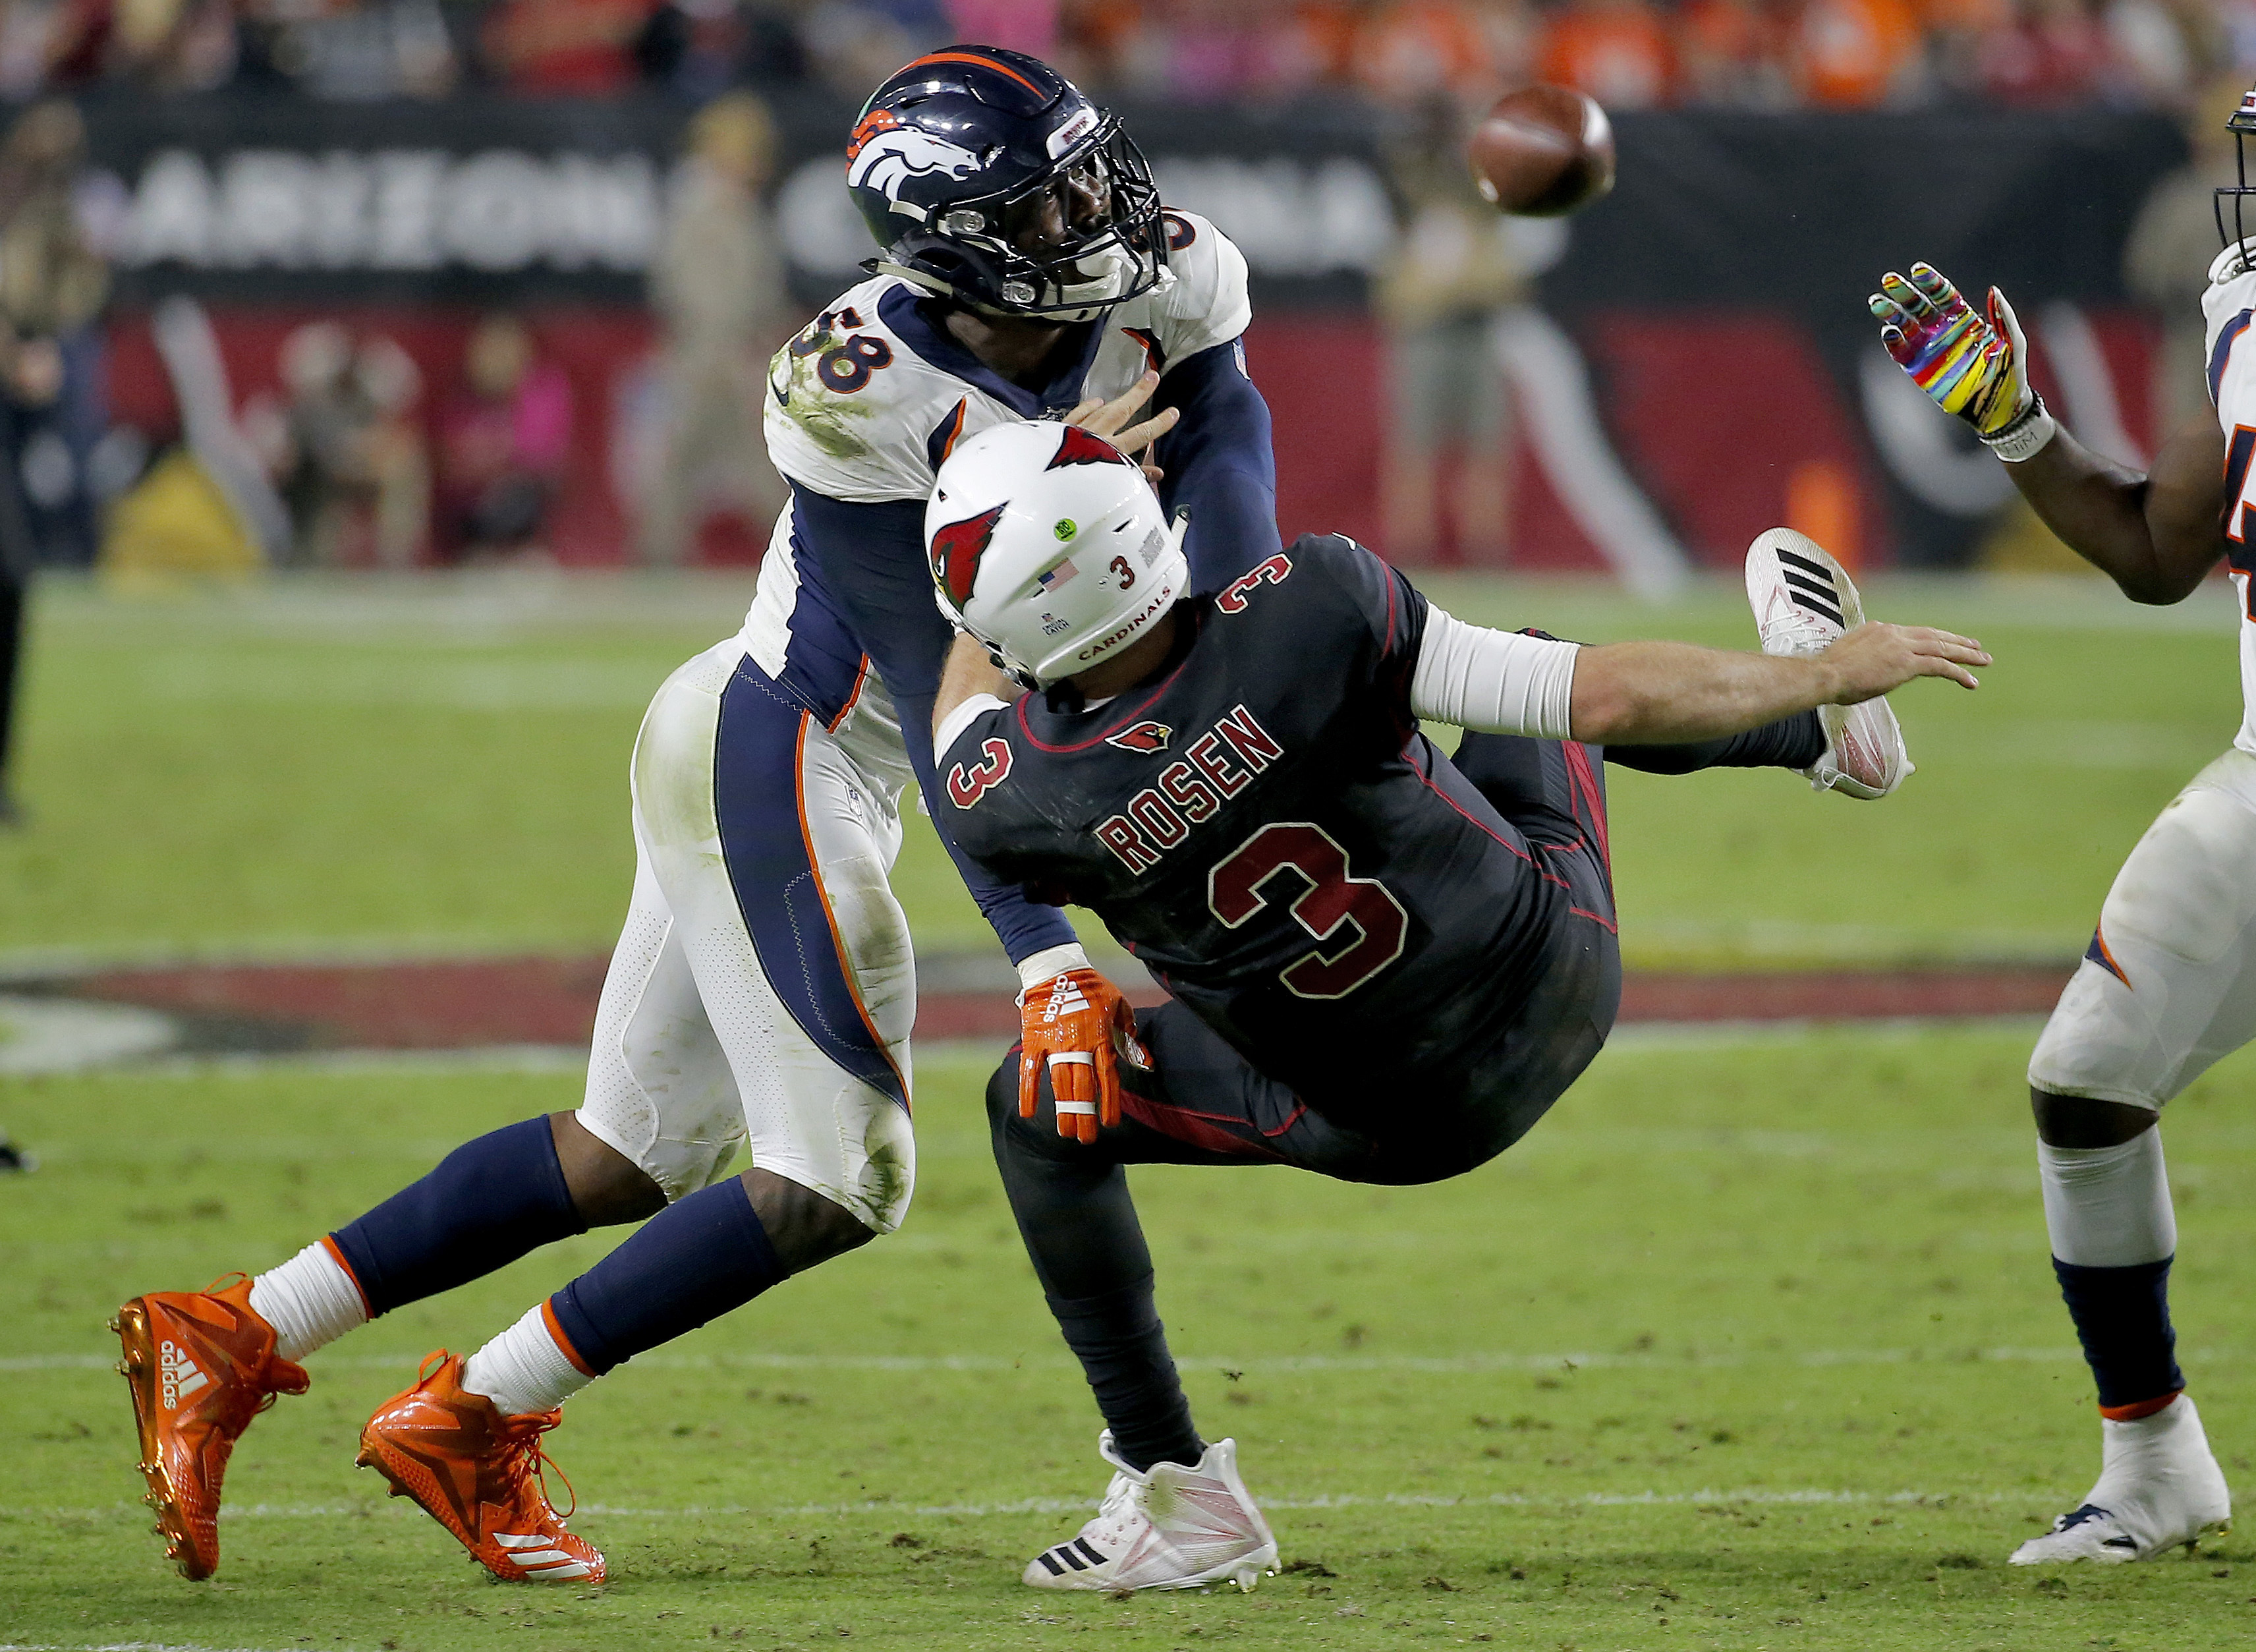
pixel 956 549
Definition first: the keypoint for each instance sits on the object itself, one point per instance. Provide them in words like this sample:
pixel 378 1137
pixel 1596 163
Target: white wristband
pixel 2027 436
pixel 1051 961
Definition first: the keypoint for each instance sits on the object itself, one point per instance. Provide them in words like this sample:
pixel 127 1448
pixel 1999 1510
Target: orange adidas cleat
pixel 201 1365
pixel 478 1473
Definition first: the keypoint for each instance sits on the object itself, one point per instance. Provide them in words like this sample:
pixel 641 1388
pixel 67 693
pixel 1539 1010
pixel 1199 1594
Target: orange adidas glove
pixel 1077 1021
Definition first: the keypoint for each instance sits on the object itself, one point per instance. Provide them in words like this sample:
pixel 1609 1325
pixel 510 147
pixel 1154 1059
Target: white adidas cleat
pixel 1804 602
pixel 2159 1486
pixel 1168 1528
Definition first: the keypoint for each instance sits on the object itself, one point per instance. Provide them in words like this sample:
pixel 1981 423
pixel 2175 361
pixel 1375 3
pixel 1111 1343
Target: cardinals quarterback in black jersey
pixel 1384 963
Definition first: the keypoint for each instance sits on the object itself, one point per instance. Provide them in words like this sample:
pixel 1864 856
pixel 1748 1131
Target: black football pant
pixel 1202 1103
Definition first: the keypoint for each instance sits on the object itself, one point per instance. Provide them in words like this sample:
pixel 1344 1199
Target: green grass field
pixel 1751 1343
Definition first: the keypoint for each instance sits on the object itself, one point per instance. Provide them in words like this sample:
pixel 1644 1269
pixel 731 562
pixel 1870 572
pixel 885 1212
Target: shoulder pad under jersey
pixel 1207 303
pixel 851 409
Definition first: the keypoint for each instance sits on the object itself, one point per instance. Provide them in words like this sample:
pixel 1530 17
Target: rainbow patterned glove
pixel 1973 368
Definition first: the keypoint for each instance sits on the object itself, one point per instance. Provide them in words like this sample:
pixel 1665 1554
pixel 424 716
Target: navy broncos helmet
pixel 987 176
pixel 2242 125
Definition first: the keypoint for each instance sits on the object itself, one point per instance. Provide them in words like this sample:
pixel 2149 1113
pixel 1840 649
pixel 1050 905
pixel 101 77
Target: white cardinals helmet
pixel 1050 548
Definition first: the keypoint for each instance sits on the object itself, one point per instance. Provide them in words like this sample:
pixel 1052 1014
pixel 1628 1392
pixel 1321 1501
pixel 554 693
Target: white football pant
pixel 764 988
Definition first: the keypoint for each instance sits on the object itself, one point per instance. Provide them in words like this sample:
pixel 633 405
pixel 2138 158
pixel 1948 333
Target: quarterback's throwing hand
pixel 1077 1022
pixel 1875 658
pixel 1974 367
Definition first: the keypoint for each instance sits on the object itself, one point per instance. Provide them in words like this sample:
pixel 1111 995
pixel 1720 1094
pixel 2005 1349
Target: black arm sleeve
pixel 871 558
pixel 1219 466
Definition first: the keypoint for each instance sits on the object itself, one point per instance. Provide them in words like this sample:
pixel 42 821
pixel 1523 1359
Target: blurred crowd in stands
pixel 1630 53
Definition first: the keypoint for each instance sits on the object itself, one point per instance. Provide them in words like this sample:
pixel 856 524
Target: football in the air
pixel 1543 152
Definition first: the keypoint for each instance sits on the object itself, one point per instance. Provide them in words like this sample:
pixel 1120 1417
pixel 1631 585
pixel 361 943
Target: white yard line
pixel 1278 1365
pixel 1818 1496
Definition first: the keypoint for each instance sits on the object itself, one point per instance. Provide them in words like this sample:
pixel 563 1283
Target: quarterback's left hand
pixel 1115 421
pixel 1974 367
pixel 1075 1020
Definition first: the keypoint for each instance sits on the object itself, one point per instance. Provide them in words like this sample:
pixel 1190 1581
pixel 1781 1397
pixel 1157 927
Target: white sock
pixel 523 1371
pixel 310 1299
pixel 2109 1207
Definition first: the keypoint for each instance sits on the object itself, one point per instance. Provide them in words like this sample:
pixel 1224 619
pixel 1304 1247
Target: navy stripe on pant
pixel 759 801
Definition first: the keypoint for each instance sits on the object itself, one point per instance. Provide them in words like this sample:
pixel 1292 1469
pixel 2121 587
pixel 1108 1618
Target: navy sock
pixel 1122 1349
pixel 694 1260
pixel 490 1202
pixel 2122 1318
pixel 1790 743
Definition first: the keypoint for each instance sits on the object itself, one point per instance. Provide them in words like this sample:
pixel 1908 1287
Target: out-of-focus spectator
pixel 2162 49
pixel 503 439
pixel 1410 51
pixel 1856 54
pixel 2053 54
pixel 697 49
pixel 345 451
pixel 2172 243
pixel 566 47
pixel 718 288
pixel 1732 54
pixel 172 45
pixel 855 44
pixel 1023 25
pixel 1208 51
pixel 352 49
pixel 1618 51
pixel 1453 271
pixel 52 287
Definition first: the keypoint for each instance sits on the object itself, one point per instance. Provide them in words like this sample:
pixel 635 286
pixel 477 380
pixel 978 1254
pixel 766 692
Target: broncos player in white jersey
pixel 762 992
pixel 2167 986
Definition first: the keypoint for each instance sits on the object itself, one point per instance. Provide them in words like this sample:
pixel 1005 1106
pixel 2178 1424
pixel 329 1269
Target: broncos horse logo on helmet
pixel 889 160
pixel 987 178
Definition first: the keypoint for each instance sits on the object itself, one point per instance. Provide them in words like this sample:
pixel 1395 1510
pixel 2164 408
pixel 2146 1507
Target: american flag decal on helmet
pixel 1079 448
pixel 956 550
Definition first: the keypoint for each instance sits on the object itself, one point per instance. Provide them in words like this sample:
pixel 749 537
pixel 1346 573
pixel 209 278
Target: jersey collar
pixel 914 318
pixel 1078 730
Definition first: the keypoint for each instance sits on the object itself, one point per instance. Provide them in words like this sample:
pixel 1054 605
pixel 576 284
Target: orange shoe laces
pixel 521 1436
pixel 529 1457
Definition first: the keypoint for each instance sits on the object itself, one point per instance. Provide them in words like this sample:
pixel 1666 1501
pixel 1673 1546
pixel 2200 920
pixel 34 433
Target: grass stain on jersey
pixel 826 417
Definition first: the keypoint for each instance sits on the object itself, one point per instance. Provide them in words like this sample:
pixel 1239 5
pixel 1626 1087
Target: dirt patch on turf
pixel 481 1003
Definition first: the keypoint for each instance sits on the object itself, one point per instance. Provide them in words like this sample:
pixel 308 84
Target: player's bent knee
pixel 2086 1121
pixel 1036 1138
pixel 2103 1044
pixel 1002 1095
pixel 805 1227
pixel 606 1186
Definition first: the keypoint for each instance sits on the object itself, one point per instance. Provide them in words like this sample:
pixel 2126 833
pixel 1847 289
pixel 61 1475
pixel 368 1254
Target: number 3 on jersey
pixel 1336 901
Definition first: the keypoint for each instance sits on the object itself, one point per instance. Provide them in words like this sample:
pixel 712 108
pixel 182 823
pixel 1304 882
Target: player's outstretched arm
pixel 1672 693
pixel 2155 535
